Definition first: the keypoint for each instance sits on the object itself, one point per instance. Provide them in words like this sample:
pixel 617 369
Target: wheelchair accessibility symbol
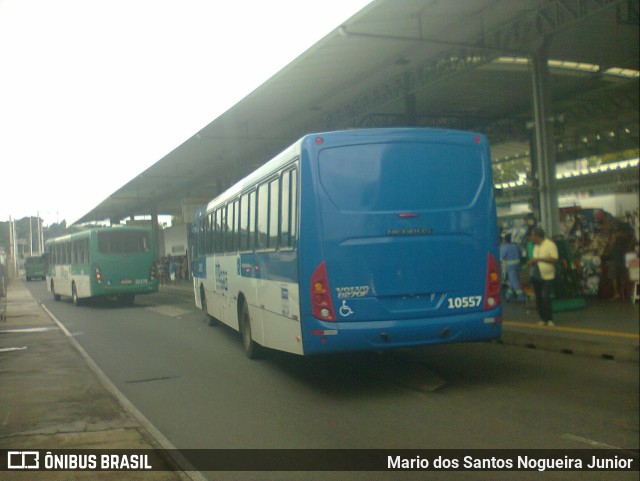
pixel 345 311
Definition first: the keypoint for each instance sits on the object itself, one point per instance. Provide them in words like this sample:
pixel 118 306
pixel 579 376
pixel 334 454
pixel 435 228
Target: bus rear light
pixel 321 303
pixel 492 286
pixel 152 272
pixel 98 274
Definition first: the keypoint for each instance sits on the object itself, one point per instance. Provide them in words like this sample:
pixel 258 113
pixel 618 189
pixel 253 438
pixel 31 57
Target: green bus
pixel 116 262
pixel 35 268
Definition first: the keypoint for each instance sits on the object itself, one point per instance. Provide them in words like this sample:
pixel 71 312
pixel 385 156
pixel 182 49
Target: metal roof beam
pixel 527 32
pixel 523 34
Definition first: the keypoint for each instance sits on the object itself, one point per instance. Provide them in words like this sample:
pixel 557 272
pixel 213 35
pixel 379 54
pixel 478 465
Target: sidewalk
pixel 51 399
pixel 605 329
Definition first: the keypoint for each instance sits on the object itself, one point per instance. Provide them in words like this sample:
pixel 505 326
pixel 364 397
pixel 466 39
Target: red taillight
pixel 321 303
pixel 492 286
pixel 98 274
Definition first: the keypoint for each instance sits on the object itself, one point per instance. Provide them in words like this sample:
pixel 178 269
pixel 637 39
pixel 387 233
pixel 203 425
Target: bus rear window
pixel 401 176
pixel 34 260
pixel 123 242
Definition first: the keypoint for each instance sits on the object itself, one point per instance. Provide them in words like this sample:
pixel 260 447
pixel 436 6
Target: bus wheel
pixel 252 349
pixel 74 295
pixel 209 319
pixel 56 297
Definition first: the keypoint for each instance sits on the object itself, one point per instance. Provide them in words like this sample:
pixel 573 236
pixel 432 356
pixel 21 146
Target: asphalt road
pixel 194 383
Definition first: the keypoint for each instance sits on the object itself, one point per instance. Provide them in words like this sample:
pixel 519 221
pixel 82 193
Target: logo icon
pixel 345 310
pixel 23 460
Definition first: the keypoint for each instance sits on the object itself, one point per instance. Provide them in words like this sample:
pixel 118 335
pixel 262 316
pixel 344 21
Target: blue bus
pixel 355 240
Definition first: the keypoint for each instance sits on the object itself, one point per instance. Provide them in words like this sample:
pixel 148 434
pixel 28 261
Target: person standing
pixel 615 251
pixel 510 260
pixel 172 269
pixel 543 262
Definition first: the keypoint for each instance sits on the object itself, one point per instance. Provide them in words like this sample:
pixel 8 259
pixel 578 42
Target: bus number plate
pixel 464 302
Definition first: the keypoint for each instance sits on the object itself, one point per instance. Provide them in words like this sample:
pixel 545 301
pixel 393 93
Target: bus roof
pixel 291 152
pixel 87 232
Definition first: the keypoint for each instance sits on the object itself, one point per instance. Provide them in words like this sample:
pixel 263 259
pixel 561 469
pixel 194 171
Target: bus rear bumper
pixel 112 291
pixel 332 337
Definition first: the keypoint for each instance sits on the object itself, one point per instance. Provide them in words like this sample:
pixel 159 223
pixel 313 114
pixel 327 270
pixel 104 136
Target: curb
pixel 622 349
pixel 188 472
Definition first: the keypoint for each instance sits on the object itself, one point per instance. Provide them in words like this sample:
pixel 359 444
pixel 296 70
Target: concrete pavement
pixel 52 396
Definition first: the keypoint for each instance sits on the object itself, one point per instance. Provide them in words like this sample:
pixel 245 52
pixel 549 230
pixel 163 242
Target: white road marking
pixel 167 310
pixel 590 442
pixel 29 329
pixel 8 349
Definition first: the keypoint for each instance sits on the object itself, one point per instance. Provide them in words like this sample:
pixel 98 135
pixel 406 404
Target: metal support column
pixel 156 232
pixel 545 161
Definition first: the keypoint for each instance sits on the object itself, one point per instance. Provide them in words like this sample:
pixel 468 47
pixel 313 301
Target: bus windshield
pixel 125 242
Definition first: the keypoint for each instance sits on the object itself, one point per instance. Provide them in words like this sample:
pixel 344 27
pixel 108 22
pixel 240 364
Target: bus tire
pixel 56 297
pixel 208 318
pixel 74 295
pixel 252 349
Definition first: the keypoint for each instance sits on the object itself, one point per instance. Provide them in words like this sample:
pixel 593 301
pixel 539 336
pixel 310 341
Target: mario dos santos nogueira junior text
pixel 560 463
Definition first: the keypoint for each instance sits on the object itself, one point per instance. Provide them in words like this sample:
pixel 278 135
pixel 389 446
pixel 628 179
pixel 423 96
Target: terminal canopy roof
pixel 454 64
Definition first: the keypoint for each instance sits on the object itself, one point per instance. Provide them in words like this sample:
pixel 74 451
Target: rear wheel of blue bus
pixel 252 349
pixel 208 318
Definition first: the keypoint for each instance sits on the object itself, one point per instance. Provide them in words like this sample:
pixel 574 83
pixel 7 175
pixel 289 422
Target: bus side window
pixel 207 234
pixel 244 221
pixel 251 224
pixel 231 214
pixel 288 209
pixel 226 212
pixel 235 244
pixel 274 212
pixel 217 236
pixel 85 251
pixel 263 216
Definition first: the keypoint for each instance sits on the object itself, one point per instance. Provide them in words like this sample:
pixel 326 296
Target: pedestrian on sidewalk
pixel 172 269
pixel 614 252
pixel 510 260
pixel 543 263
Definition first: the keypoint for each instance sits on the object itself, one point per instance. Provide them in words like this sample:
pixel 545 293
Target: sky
pixel 93 92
